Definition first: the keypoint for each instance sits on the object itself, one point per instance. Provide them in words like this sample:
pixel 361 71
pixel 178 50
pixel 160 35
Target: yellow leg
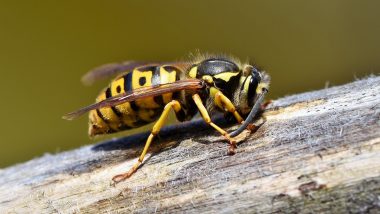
pixel 225 103
pixel 156 128
pixel 207 119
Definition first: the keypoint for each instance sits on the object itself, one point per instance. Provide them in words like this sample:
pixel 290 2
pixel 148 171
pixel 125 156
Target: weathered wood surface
pixel 316 152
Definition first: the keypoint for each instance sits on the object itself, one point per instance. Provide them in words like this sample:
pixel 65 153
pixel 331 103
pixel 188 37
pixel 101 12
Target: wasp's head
pixel 252 83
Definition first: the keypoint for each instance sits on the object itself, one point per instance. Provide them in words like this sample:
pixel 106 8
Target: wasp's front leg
pixel 224 103
pixel 206 117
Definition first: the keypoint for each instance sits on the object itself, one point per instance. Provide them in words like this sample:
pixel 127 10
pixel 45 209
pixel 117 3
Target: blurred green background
pixel 46 46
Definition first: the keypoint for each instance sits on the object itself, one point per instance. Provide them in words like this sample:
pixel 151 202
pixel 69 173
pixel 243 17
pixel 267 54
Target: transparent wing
pixel 114 69
pixel 111 70
pixel 144 92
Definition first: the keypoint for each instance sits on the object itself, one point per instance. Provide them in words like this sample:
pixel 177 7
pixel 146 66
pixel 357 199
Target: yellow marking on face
pixel 246 84
pixel 167 77
pixel 226 76
pixel 208 79
pixel 242 78
pixel 193 72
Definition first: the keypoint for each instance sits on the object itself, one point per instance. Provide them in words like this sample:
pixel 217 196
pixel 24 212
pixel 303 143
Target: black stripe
pixel 142 81
pixel 134 106
pixel 124 126
pixel 114 110
pixel 117 112
pixel 181 116
pixel 128 87
pixel 159 100
pixel 223 86
pixel 140 123
pixel 108 93
pixel 191 108
pixel 128 82
pixel 101 116
pixel 242 86
pixel 176 95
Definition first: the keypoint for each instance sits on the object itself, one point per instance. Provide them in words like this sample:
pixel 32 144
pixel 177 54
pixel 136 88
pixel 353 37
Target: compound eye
pixel 254 82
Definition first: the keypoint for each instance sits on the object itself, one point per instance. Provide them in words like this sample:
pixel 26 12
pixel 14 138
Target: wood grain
pixel 316 152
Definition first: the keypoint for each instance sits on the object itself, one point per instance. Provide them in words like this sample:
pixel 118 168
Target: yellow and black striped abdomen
pixel 136 113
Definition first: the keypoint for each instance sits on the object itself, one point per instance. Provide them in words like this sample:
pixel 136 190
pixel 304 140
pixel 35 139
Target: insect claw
pixel 252 127
pixel 232 149
pixel 118 178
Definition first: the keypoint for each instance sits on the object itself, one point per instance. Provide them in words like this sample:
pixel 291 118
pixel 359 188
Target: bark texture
pixel 316 152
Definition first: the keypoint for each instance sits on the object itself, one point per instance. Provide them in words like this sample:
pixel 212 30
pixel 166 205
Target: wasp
pixel 144 92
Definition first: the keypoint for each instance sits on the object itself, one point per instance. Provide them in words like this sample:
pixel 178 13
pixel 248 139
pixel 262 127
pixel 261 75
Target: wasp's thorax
pixel 240 84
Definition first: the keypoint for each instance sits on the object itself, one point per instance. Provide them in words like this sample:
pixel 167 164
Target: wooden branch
pixel 317 152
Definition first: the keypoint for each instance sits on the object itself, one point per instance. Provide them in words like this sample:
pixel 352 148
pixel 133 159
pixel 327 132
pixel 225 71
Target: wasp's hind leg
pixel 156 128
pixel 206 117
